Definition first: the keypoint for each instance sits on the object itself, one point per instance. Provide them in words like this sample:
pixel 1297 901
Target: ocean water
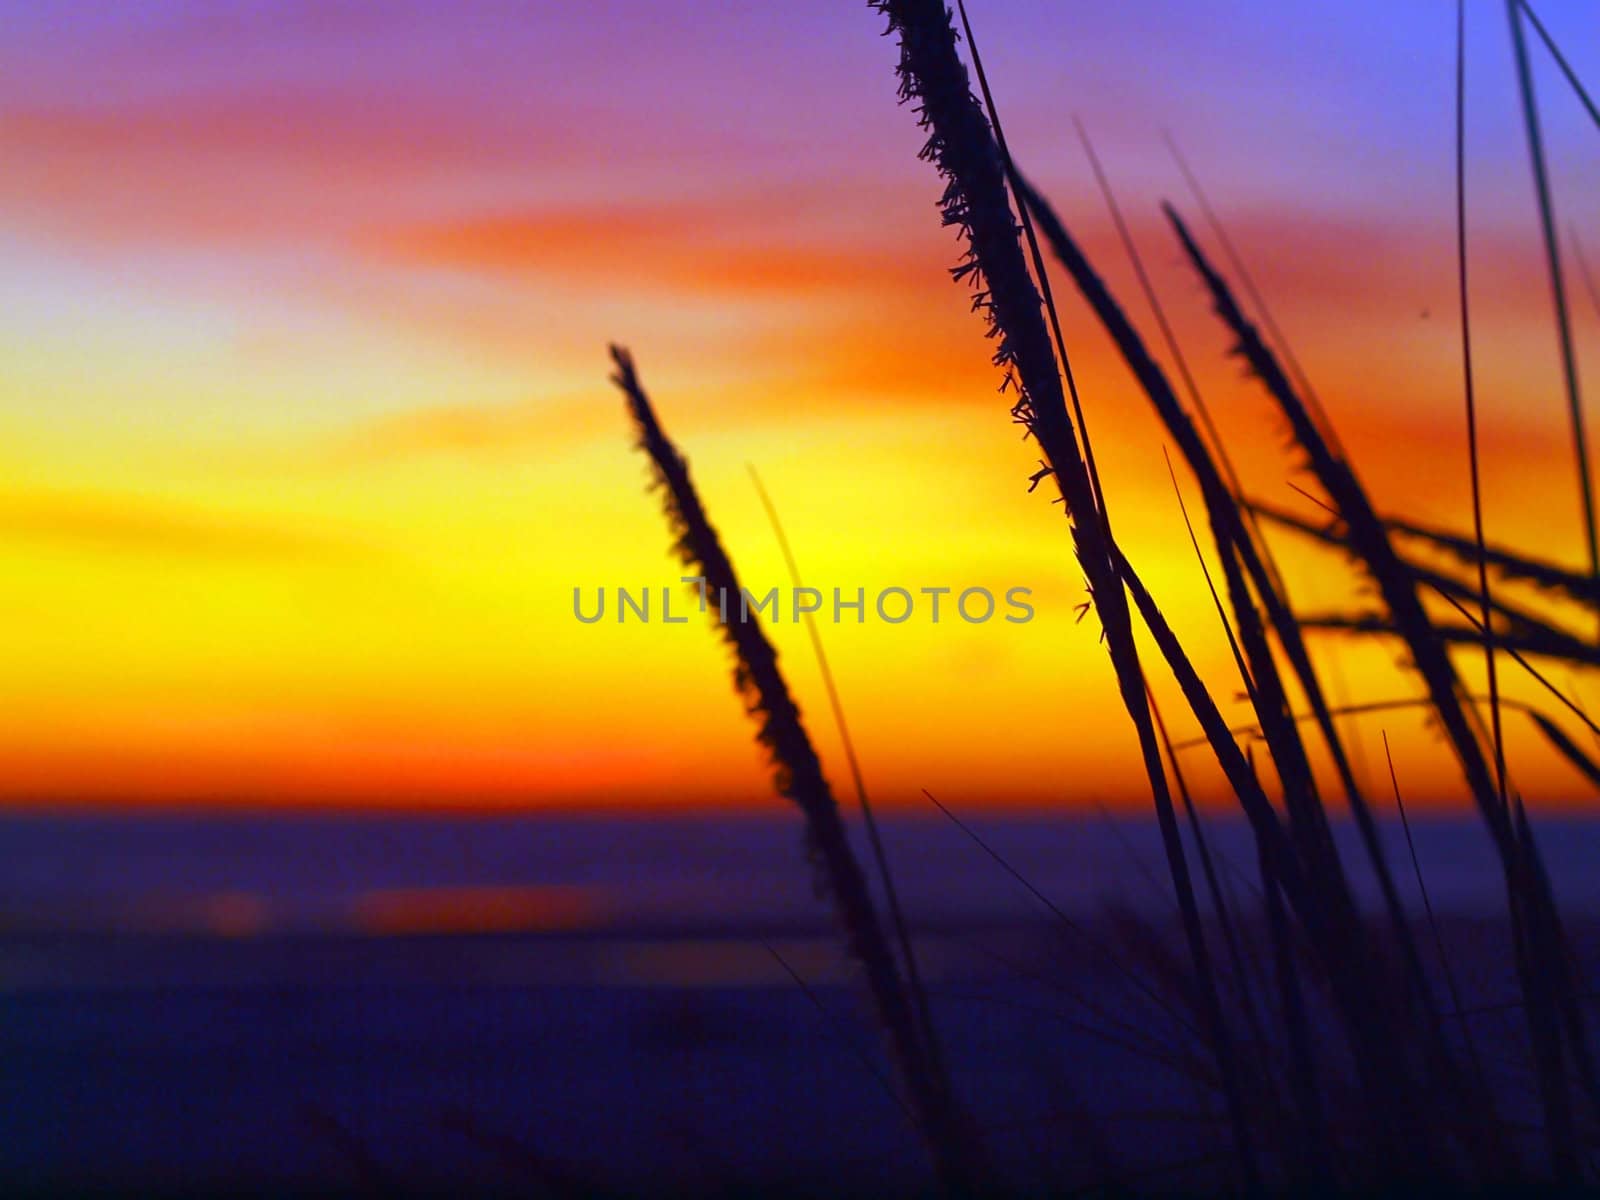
pixel 255 873
pixel 411 1004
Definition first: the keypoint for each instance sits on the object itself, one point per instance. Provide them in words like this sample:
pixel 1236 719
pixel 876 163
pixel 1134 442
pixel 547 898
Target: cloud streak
pixel 112 523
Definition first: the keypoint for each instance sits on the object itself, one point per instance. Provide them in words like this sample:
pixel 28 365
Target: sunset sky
pixel 306 438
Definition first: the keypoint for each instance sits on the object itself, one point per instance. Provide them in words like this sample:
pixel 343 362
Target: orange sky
pixel 306 438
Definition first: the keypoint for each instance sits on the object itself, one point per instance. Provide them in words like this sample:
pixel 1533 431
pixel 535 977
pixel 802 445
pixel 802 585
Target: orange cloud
pixel 728 246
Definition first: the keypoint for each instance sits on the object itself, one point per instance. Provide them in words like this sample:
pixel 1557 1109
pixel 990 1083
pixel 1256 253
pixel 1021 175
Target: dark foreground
pixel 573 1008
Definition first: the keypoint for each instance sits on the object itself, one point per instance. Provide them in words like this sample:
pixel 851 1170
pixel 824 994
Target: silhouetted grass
pixel 1542 963
pixel 1375 1037
pixel 1385 1102
pixel 1237 547
pixel 797 775
pixel 1558 291
pixel 1520 628
pixel 1254 553
pixel 1469 401
pixel 891 894
pixel 1560 647
pixel 1366 536
pixel 973 161
pixel 1567 72
pixel 1510 564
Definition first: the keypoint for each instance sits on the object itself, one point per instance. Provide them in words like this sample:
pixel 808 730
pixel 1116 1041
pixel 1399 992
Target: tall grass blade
pixel 1433 923
pixel 1524 630
pixel 1558 291
pixel 1379 1054
pixel 842 1035
pixel 919 992
pixel 1356 710
pixel 1098 945
pixel 1366 535
pixel 1561 648
pixel 1561 61
pixel 972 159
pixel 1307 821
pixel 1535 674
pixel 1235 544
pixel 1369 540
pixel 1567 748
pixel 1232 538
pixel 797 775
pixel 1219 902
pixel 1247 281
pixel 554 1179
pixel 1470 398
pixel 1510 564
pixel 1317 1157
pixel 1049 220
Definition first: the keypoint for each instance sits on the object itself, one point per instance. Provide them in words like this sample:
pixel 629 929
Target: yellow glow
pixel 293 510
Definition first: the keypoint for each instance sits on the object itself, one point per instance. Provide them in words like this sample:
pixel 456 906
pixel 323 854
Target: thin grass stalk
pixel 1104 1167
pixel 1533 672
pixel 1219 901
pixel 1307 817
pixel 1393 1122
pixel 1562 649
pixel 1561 61
pixel 1217 445
pixel 1308 825
pixel 1509 564
pixel 1470 399
pixel 1253 548
pixel 1367 537
pixel 1317 1156
pixel 1098 945
pixel 1566 978
pixel 1241 777
pixel 972 160
pixel 919 992
pixel 553 1179
pixel 1236 261
pixel 1040 275
pixel 1547 935
pixel 1533 634
pixel 375 1177
pixel 1223 512
pixel 1370 541
pixel 1540 1009
pixel 1558 291
pixel 1427 908
pixel 797 775
pixel 1319 860
pixel 1229 525
pixel 842 1035
pixel 1357 710
pixel 1380 1028
pixel 1536 631
pixel 1566 747
pixel 1127 1035
pixel 1259 559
